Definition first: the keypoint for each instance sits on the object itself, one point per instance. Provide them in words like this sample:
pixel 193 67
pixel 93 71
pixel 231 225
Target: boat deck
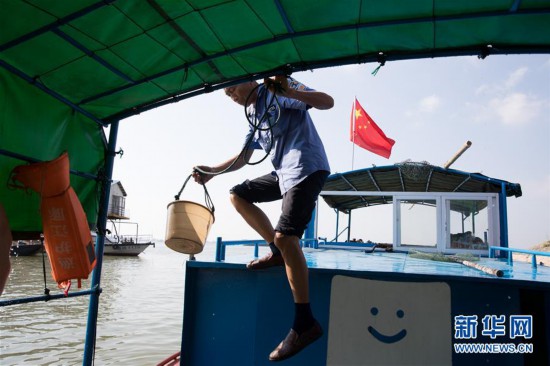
pixel 401 263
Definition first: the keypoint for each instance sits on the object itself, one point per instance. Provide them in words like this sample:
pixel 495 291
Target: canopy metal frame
pixel 291 34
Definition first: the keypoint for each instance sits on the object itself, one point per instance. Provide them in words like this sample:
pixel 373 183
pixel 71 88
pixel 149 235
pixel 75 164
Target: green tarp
pixel 68 67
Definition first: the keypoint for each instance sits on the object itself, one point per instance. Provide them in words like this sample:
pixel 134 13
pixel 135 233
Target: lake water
pixel 140 312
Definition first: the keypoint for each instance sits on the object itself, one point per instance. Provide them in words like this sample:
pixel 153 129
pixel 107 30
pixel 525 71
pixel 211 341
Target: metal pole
pixel 349 225
pixel 91 328
pixel 353 134
pixel 337 224
pixel 311 229
pixel 48 297
pixel 465 147
pixel 503 217
pixel 218 249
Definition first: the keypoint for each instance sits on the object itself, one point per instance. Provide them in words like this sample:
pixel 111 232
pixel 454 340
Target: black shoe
pixel 269 260
pixel 294 343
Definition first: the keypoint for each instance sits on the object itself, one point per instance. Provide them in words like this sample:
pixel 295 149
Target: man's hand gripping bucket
pixel 188 223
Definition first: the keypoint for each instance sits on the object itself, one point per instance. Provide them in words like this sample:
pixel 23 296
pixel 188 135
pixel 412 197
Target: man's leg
pixel 258 220
pixel 295 265
pixel 305 329
pixel 254 217
pixel 298 205
pixel 262 189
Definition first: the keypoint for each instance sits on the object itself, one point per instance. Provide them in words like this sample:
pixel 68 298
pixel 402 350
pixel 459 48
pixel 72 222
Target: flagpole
pixel 353 131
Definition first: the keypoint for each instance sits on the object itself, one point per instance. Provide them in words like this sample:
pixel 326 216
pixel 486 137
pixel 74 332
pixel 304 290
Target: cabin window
pixel 446 222
pixel 373 223
pixel 417 222
pixel 468 224
pixel 117 205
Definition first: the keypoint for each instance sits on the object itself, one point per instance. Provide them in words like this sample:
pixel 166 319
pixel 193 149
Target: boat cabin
pixel 117 202
pixel 434 209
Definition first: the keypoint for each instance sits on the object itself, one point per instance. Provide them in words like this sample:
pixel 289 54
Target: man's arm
pixel 315 99
pixel 239 163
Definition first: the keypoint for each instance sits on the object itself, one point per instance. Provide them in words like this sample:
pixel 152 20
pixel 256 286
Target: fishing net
pixel 415 170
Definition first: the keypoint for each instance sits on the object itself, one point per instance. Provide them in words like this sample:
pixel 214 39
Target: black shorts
pixel 298 202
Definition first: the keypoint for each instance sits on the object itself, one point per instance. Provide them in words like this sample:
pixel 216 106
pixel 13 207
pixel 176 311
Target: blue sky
pixel 429 107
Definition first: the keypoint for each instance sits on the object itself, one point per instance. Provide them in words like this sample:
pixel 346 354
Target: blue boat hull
pixel 233 316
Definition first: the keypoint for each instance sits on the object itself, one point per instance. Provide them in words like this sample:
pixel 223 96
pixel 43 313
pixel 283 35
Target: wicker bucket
pixel 187 226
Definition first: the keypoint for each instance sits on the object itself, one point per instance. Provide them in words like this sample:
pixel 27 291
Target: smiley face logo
pixel 389 322
pixel 387 338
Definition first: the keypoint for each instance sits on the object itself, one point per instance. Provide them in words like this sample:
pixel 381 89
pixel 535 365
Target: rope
pixel 382 60
pixel 207 199
pixel 256 123
pixel 177 196
pixel 46 289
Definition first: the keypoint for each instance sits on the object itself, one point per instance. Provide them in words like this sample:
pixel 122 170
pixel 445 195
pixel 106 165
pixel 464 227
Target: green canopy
pixel 69 68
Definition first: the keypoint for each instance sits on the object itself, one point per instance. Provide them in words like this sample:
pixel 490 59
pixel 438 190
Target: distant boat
pixel 24 248
pixel 125 245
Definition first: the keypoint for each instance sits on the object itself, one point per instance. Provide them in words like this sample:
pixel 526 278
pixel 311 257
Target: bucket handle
pixel 207 198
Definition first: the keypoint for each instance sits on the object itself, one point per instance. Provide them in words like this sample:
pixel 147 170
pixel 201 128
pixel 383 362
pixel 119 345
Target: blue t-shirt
pixel 297 149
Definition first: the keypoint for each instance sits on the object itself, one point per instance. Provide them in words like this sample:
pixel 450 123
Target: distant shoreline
pixel 541 259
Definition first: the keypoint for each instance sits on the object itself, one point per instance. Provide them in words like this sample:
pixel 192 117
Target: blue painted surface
pixel 234 316
pixel 381 261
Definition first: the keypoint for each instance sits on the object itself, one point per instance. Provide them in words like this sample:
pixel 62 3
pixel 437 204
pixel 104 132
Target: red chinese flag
pixel 365 132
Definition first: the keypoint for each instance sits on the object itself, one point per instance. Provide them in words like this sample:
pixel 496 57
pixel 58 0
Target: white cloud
pixel 425 106
pixel 516 108
pixel 483 89
pixel 504 87
pixel 429 104
pixel 504 102
pixel 515 78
